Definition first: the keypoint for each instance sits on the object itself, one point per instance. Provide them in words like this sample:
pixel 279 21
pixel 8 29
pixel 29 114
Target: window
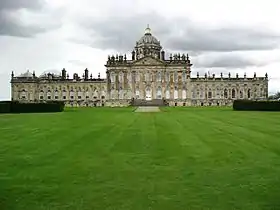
pixel 193 94
pixel 159 76
pixel 120 77
pixel 41 95
pixel 137 76
pixel 209 94
pixel 175 76
pixel 184 94
pixel 225 93
pixel 241 94
pixel 167 77
pixel 56 97
pixel 233 93
pixel 184 76
pixel 112 77
pixel 249 93
pixel 49 95
pixel 175 93
pixel 64 97
pixel 147 76
pixel 23 94
pixel 137 93
pixel 159 93
pixel 167 94
pixel 121 93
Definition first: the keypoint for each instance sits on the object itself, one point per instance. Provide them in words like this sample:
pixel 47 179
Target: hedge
pixel 17 107
pixel 248 105
pixel 5 106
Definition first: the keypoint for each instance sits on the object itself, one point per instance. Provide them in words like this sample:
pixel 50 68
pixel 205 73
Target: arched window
pixel 23 94
pixel 49 95
pixel 225 93
pixel 159 96
pixel 175 76
pixel 137 76
pixel 148 92
pixel 112 94
pixel 80 94
pixel 137 93
pixel 72 94
pixel 120 93
pixel 87 94
pixel 112 77
pixel 167 93
pixel 176 93
pixel 184 93
pixel 233 93
pixel 184 76
pixel 249 93
pixel 167 75
pixel 64 94
pixel 103 94
pixel 218 92
pixel 56 94
pixel 241 93
pixel 194 94
pixel 159 76
pixel 41 95
pixel 147 76
pixel 121 77
pixel 95 93
pixel 209 93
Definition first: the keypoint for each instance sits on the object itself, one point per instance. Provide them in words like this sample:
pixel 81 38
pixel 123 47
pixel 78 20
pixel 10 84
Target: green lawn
pixel 113 158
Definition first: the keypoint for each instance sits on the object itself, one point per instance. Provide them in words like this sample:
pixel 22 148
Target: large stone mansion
pixel 149 73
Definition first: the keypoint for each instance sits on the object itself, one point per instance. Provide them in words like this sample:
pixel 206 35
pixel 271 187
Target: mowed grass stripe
pixel 180 158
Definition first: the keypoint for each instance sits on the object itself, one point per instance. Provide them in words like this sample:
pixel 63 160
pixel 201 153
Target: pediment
pixel 148 61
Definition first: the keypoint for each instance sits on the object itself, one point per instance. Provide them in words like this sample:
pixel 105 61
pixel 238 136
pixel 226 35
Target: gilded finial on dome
pixel 148 30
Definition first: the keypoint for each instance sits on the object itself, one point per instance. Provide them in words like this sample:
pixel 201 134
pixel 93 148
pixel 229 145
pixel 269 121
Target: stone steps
pixel 153 102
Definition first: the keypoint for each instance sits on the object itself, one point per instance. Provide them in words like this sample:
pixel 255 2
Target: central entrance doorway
pixel 148 96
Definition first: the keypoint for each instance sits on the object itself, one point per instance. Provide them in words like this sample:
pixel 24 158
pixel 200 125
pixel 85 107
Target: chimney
pixel 86 74
pixel 63 74
pixel 162 55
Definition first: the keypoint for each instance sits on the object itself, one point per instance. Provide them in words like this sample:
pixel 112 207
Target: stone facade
pixel 148 74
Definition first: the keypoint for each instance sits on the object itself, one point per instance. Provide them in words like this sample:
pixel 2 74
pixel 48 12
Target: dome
pixel 54 73
pixel 26 74
pixel 148 38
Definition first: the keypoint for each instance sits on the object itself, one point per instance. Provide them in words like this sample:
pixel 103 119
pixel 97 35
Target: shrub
pixel 5 107
pixel 18 107
pixel 248 105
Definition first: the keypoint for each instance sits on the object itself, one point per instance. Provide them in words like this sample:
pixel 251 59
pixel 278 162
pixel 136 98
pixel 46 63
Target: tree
pixel 276 96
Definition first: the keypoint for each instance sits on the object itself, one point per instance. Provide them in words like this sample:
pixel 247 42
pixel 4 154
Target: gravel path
pixel 147 109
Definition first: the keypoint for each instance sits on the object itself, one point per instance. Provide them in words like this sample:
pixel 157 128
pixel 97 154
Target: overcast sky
pixel 221 36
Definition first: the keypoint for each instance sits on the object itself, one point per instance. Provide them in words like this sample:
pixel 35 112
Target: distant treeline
pixel 247 105
pixel 18 107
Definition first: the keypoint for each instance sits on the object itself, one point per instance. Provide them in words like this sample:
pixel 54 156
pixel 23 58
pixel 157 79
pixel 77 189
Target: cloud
pixel 18 4
pixel 23 18
pixel 182 34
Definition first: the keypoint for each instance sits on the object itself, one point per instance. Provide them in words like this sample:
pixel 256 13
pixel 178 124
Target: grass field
pixel 113 158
